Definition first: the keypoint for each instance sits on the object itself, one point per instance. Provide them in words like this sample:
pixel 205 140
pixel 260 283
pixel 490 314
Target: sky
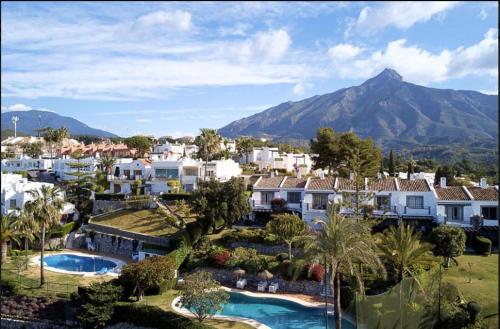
pixel 171 68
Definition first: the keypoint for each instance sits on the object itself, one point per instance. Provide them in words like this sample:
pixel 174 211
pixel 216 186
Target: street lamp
pixel 14 121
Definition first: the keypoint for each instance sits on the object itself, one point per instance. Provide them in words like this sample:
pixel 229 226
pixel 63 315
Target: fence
pixel 29 286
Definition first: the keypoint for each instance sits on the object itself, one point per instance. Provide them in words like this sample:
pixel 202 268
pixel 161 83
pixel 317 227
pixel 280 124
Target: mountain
pixel 395 113
pixel 29 122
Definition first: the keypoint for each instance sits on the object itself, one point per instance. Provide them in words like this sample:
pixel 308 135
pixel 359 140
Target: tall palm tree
pixel 60 135
pixel 209 143
pixel 343 244
pixel 7 233
pixel 45 209
pixel 403 248
pixel 107 162
pixel 50 137
pixel 25 227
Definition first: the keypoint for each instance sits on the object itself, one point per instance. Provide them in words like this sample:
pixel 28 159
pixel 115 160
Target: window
pixel 293 197
pixel 266 197
pixel 190 171
pixel 383 202
pixel 489 212
pixel 173 173
pixel 188 187
pixel 126 172
pixel 117 188
pixel 161 173
pixel 415 202
pixel 320 201
pixel 13 204
pixel 455 213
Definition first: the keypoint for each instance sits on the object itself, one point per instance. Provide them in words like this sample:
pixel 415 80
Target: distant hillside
pixel 10 132
pixel 29 122
pixel 396 114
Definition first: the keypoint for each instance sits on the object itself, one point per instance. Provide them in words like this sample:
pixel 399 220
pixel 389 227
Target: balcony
pixel 257 204
pixel 308 206
pixel 425 211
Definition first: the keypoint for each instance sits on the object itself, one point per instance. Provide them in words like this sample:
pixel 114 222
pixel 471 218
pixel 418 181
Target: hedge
pixel 195 230
pixel 70 227
pixel 176 196
pixel 110 196
pixel 482 245
pixel 152 317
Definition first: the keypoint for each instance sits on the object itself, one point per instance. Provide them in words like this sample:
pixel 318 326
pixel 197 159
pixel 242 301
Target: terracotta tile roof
pixel 294 182
pixel 451 193
pixel 346 184
pixel 484 194
pixel 413 185
pixel 321 184
pixel 386 184
pixel 270 182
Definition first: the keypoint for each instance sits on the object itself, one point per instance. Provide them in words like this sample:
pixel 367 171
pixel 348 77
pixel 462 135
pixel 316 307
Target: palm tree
pixel 107 162
pixel 45 209
pixel 343 244
pixel 404 250
pixel 60 135
pixel 209 143
pixel 25 228
pixel 7 233
pixel 50 137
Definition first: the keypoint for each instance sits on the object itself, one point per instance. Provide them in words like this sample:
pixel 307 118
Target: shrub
pixel 16 252
pixel 450 292
pixel 273 267
pixel 449 242
pixel 176 196
pixel 346 296
pixel 109 196
pixel 316 273
pixel 473 308
pixel 292 270
pixel 220 258
pixel 482 245
pixel 70 227
pixel 278 204
pixel 282 256
pixel 195 230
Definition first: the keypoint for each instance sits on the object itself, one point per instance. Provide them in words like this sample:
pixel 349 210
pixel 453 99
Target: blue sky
pixel 172 68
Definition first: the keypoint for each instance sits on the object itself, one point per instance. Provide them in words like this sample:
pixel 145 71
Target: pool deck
pixel 119 263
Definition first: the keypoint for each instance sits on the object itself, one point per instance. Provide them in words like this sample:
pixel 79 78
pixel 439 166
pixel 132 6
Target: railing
pixel 417 211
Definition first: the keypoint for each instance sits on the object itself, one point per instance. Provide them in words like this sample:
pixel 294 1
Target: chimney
pixel 442 182
pixel 321 175
pixel 299 174
pixel 483 183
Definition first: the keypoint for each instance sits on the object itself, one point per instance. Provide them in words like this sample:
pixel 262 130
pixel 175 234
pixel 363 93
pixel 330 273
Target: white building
pixel 186 171
pixel 63 169
pixel 270 158
pixel 15 193
pixel 126 172
pixel 221 170
pixel 176 150
pixel 24 164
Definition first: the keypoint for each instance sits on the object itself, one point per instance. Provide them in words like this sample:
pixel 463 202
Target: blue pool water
pixel 279 313
pixel 75 263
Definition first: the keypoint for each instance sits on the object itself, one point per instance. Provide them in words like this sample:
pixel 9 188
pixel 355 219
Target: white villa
pixel 270 158
pixel 62 168
pixel 25 163
pixel 15 193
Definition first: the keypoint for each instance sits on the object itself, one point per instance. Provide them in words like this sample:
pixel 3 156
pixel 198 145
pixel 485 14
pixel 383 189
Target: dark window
pixel 293 197
pixel 489 212
pixel 320 201
pixel 415 202
pixel 13 204
pixel 383 202
pixel 266 197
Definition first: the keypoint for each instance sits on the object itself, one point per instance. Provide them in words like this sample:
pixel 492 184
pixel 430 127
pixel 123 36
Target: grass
pixel 484 286
pixel 164 301
pixel 144 221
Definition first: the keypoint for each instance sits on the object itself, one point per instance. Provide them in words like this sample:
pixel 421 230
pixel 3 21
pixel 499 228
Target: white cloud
pixel 143 120
pixel 343 52
pixel 240 29
pixel 267 46
pixel 483 14
pixel 301 87
pixel 426 67
pixel 489 92
pixel 177 20
pixel 19 107
pixel 401 15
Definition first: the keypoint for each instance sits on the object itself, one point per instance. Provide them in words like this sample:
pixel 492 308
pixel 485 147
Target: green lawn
pixel 484 286
pixel 164 301
pixel 144 221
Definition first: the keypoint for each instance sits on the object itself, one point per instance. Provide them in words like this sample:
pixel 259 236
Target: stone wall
pixel 265 249
pixel 104 206
pixel 227 278
pixel 116 245
pixel 19 324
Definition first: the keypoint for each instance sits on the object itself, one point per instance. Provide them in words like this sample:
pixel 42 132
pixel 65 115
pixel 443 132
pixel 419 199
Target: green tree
pixel 326 150
pixel 288 228
pixel 149 273
pixel 142 144
pixel 25 227
pixel 449 242
pixel 7 234
pixel 445 171
pixel 95 304
pixel 381 170
pixel 174 184
pixel 61 134
pixel 50 137
pixel 208 143
pixel 45 208
pixel 244 145
pixel 410 168
pixel 220 204
pixel 342 244
pixel 202 295
pixel 33 150
pixel 106 163
pixel 392 164
pixel 79 188
pixel 404 250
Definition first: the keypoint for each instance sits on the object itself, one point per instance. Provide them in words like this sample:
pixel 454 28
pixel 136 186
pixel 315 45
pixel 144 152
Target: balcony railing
pixel 425 211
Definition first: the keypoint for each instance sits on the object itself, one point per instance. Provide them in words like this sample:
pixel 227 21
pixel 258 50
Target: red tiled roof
pixel 294 182
pixel 451 193
pixel 317 183
pixel 270 182
pixel 484 194
pixel 413 185
pixel 385 184
pixel 346 184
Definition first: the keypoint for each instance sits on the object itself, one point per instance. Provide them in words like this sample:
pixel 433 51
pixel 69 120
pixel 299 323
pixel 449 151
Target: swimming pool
pixel 78 263
pixel 278 313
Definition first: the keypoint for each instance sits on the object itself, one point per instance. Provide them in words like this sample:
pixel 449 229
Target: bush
pixel 273 267
pixel 152 317
pixel 176 196
pixel 70 227
pixel 346 296
pixel 16 252
pixel 449 242
pixel 220 258
pixel 482 245
pixel 281 257
pixel 473 308
pixel 110 196
pixel 316 273
pixel 278 204
pixel 292 270
pixel 195 231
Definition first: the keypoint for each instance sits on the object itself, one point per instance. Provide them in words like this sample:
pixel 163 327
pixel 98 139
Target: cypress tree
pixel 392 165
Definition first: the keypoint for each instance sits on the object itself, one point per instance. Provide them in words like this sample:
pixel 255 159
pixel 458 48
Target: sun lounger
pixel 241 283
pixel 273 287
pixel 262 286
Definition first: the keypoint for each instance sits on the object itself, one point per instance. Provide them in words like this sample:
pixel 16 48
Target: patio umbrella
pixel 239 272
pixel 265 275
